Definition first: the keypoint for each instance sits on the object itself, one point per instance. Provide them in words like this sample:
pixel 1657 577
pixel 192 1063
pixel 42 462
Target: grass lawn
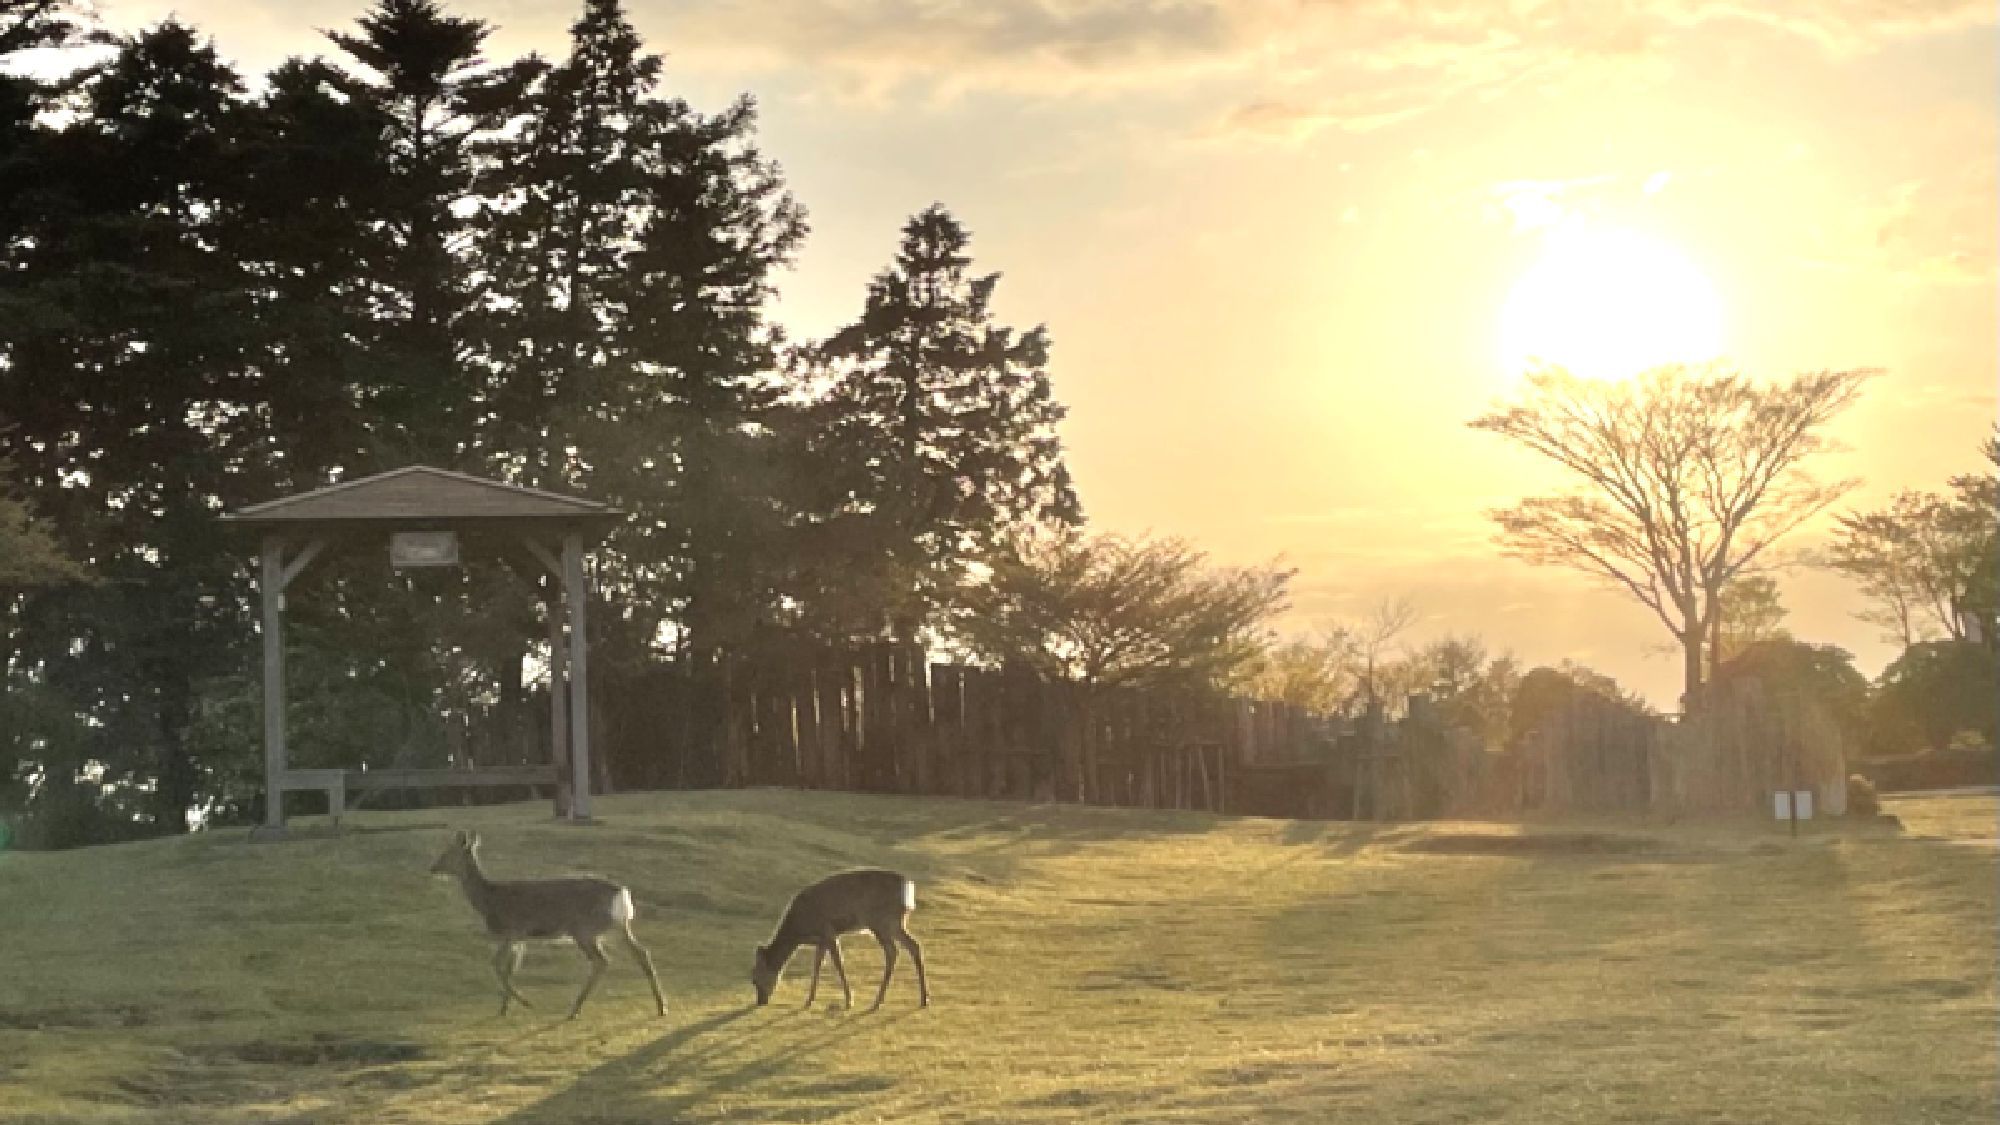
pixel 1088 965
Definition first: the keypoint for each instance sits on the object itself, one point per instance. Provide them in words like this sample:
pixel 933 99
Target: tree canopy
pixel 1684 478
pixel 1107 611
pixel 1926 562
pixel 934 440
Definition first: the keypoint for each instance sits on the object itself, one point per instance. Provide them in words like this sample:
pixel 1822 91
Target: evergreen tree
pixel 936 439
pixel 312 222
pixel 431 95
pixel 126 323
pixel 631 241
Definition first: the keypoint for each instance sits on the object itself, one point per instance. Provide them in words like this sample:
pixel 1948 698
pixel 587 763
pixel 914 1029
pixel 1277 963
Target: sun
pixel 1609 304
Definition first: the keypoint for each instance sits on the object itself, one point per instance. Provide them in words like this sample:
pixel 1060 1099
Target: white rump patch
pixel 909 895
pixel 621 907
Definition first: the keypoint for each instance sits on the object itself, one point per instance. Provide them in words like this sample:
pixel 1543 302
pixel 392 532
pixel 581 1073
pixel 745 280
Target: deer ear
pixel 458 837
pixel 472 840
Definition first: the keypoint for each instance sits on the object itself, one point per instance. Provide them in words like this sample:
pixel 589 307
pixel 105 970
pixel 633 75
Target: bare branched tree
pixel 1686 477
pixel 1106 611
pixel 1101 611
pixel 1916 561
pixel 1374 639
pixel 1316 673
pixel 1927 562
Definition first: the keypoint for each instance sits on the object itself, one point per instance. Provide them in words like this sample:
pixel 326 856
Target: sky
pixel 1286 249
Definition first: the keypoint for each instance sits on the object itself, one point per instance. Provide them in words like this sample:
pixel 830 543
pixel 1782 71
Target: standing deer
pixel 851 901
pixel 577 908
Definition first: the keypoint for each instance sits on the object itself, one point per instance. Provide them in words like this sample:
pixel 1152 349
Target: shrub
pixel 1862 800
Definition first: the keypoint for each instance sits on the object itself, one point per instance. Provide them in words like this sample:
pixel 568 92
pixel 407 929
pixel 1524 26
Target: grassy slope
pixel 1088 965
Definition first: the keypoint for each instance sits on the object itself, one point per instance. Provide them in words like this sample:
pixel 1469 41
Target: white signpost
pixel 1792 805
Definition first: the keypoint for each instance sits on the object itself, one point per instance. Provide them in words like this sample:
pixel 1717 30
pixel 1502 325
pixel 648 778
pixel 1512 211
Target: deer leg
pixel 819 956
pixel 888 967
pixel 909 941
pixel 594 950
pixel 645 960
pixel 840 970
pixel 506 960
pixel 514 966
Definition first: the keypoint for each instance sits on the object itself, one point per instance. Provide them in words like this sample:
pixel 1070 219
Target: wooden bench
pixel 337 784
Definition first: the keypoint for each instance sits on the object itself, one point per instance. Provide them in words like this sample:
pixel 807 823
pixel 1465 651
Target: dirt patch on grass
pixel 1532 844
pixel 319 1050
pixel 1074 1097
pixel 76 1018
pixel 1133 977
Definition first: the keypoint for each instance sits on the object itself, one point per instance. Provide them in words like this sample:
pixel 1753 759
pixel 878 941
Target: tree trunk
pixel 1714 637
pixel 1081 749
pixel 1691 681
pixel 177 777
pixel 173 793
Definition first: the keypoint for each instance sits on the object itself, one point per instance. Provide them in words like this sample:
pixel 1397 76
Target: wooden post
pixel 277 574
pixel 575 586
pixel 558 662
pixel 829 676
pixel 559 699
pixel 1222 779
pixel 272 586
pixel 805 713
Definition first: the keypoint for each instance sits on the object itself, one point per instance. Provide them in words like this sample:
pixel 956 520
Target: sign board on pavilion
pixel 423 548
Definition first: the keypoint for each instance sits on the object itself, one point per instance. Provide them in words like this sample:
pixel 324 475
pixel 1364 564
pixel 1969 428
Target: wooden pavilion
pixel 421 514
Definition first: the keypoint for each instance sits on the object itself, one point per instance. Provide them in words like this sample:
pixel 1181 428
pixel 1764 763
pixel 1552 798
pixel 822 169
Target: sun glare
pixel 1608 304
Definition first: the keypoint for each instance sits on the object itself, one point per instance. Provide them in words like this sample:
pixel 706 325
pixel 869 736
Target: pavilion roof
pixel 420 494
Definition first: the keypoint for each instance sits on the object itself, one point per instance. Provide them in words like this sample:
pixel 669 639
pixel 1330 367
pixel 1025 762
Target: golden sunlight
pixel 1608 304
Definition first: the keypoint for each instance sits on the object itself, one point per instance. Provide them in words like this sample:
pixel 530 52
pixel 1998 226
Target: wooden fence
pixel 885 719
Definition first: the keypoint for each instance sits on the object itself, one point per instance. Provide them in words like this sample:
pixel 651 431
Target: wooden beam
pixel 575 585
pixel 299 562
pixel 271 587
pixel 490 777
pixel 544 556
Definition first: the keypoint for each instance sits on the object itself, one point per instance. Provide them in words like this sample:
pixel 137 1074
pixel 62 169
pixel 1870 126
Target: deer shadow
pixel 694 1065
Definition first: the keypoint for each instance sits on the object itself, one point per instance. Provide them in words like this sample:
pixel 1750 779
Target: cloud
pixel 1293 122
pixel 1539 204
pixel 1061 46
pixel 1850 26
pixel 954 45
pixel 1919 232
pixel 1307 64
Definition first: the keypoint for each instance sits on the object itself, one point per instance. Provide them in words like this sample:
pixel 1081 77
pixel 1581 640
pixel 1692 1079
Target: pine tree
pixel 936 439
pixel 124 386
pixel 432 96
pixel 313 223
pixel 631 241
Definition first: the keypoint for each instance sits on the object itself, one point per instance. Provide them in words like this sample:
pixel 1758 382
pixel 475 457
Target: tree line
pixel 1683 485
pixel 216 290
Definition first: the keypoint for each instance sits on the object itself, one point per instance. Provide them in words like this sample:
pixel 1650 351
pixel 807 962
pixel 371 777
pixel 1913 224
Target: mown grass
pixel 1089 965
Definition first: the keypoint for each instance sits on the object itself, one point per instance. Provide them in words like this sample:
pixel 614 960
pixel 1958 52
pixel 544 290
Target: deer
pixel 845 903
pixel 580 908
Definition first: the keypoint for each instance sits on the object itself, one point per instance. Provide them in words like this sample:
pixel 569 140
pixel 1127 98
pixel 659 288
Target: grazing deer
pixel 846 903
pixel 578 908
